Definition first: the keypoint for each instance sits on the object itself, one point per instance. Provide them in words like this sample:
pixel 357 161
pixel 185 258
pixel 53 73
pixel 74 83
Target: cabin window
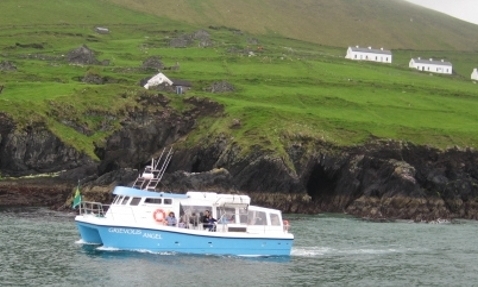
pixel 135 201
pixel 386 59
pixel 275 221
pixel 153 200
pixel 355 56
pixel 257 218
pixel 192 214
pixel 125 200
pixel 242 216
pixel 227 215
pixel 376 58
pixel 117 199
pixel 168 201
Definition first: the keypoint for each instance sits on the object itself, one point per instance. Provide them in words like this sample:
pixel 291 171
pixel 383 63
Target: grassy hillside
pixel 288 91
pixel 392 23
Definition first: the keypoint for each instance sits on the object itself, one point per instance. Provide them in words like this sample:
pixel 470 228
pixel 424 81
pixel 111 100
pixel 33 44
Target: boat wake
pixel 317 251
pixel 82 242
pixel 144 251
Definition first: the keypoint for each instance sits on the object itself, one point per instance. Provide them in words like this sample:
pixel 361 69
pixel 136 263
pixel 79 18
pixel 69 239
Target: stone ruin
pixel 94 79
pixel 6 66
pixel 153 63
pixel 82 56
pixel 202 36
pixel 175 67
pixel 220 87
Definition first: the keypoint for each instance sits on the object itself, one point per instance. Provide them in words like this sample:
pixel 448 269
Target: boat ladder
pixel 151 176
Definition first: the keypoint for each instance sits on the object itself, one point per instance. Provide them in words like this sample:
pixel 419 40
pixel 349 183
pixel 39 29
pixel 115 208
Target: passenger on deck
pixel 193 219
pixel 208 221
pixel 182 222
pixel 225 219
pixel 171 220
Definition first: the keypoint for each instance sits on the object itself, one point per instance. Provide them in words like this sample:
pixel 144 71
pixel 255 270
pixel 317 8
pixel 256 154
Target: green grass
pixel 392 24
pixel 291 91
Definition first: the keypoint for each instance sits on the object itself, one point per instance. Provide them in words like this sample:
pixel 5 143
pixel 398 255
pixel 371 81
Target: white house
pixel 429 65
pixel 369 54
pixel 102 30
pixel 157 80
pixel 474 74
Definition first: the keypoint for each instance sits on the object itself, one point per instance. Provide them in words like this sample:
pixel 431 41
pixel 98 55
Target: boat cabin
pixel 233 213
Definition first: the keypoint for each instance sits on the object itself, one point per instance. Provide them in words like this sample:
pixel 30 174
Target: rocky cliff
pixel 378 180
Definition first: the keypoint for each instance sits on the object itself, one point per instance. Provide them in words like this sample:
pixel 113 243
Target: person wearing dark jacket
pixel 208 221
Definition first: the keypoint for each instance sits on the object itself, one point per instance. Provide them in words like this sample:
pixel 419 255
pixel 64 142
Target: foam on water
pixel 310 251
pixel 316 251
pixel 82 242
pixel 144 251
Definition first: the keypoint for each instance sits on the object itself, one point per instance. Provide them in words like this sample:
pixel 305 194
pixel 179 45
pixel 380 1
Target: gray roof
pixel 370 50
pixel 433 62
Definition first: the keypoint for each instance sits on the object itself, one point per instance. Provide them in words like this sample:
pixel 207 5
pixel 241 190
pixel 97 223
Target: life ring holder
pixel 159 216
pixel 286 225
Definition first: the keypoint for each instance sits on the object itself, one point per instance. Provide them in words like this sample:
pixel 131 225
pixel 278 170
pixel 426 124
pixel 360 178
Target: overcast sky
pixel 466 10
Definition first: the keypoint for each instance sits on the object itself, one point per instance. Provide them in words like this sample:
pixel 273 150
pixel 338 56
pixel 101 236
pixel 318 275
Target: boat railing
pixel 93 208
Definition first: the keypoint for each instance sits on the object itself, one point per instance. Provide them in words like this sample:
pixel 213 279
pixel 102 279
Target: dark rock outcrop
pixel 380 180
pixel 145 133
pixel 34 192
pixel 34 150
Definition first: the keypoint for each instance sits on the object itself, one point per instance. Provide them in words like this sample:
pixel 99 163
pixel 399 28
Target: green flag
pixel 77 199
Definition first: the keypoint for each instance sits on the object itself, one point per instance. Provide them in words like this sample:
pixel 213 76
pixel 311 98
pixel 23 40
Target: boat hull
pixel 183 241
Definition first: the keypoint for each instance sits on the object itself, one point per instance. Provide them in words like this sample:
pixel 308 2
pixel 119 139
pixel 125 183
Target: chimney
pixel 442 60
pixel 381 48
pixel 419 58
pixel 370 47
pixel 357 46
pixel 431 59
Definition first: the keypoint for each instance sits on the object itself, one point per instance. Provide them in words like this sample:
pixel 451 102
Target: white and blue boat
pixel 137 219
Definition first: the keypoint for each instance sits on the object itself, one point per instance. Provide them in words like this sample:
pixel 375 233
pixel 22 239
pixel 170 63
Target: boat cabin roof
pixel 230 200
pixel 123 190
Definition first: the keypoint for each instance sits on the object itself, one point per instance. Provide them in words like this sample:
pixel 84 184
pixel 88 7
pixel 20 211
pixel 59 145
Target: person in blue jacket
pixel 171 219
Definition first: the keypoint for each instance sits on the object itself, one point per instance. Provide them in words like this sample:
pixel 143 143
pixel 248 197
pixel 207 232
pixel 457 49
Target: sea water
pixel 39 247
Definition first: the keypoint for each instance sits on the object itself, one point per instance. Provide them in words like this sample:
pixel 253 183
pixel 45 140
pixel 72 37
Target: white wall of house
pixel 429 65
pixel 368 54
pixel 474 74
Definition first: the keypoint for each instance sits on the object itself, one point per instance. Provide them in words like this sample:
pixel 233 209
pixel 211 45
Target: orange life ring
pixel 286 225
pixel 159 215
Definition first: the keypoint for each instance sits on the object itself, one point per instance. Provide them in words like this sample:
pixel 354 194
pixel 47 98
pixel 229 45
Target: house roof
pixel 431 61
pixel 158 79
pixel 370 50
